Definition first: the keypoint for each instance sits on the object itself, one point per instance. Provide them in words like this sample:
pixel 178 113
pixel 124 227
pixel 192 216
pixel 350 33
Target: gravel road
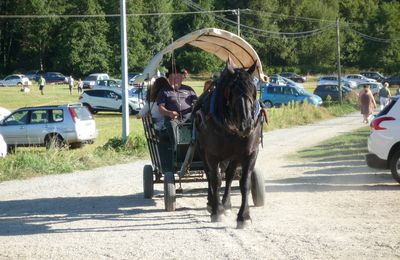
pixel 340 210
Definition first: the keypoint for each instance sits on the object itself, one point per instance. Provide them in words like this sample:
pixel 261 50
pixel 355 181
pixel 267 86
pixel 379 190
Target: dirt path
pixel 313 211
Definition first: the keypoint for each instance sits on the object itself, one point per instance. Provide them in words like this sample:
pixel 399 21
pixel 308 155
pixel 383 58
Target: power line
pixel 38 16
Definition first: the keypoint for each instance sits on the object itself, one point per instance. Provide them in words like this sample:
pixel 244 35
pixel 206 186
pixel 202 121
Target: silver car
pixel 49 126
pixel 15 80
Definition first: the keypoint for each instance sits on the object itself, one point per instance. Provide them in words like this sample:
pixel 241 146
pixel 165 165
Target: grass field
pixel 109 148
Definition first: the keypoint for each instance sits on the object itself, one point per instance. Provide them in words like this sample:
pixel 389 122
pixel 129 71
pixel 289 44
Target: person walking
pixel 384 95
pixel 367 103
pixel 70 84
pixel 80 86
pixel 41 82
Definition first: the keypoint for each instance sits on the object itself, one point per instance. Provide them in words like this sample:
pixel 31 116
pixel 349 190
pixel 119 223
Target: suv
pixel 49 125
pixel 91 80
pixel 110 99
pixel 384 140
pixel 374 75
pixel 55 77
pixel 331 90
pixel 281 95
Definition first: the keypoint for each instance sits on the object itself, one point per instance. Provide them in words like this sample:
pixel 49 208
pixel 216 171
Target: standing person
pixel 384 95
pixel 80 86
pixel 367 103
pixel 151 104
pixel 70 84
pixel 41 82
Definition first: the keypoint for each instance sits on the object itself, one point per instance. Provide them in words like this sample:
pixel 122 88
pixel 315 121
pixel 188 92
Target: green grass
pixel 347 146
pixel 108 148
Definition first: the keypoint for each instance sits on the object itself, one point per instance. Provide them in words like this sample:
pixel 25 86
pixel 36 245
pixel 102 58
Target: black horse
pixel 229 131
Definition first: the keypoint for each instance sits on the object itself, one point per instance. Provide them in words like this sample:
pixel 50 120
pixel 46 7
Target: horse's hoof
pixel 243 224
pixel 217 218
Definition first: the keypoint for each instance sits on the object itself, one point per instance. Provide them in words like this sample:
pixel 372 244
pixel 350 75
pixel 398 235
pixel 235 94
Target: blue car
pixel 275 95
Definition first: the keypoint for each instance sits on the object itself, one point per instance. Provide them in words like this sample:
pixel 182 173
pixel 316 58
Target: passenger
pixel 175 101
pixel 208 85
pixel 151 104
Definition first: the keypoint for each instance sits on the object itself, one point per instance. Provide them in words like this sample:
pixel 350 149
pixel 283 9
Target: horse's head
pixel 239 95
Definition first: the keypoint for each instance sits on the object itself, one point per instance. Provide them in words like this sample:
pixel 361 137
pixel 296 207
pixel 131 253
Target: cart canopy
pixel 219 42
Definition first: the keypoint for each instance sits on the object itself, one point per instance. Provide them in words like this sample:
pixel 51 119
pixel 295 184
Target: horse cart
pixel 177 162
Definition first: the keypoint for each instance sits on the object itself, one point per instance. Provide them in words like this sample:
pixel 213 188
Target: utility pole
pixel 124 73
pixel 338 60
pixel 238 22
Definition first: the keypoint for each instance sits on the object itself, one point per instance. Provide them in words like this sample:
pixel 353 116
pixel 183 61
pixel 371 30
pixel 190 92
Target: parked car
pixel 55 78
pixel 91 80
pixel 61 125
pixel 393 80
pixel 4 113
pixel 359 78
pixel 107 83
pixel 334 79
pixel 277 79
pixel 293 76
pixel 374 75
pixel 384 140
pixel 332 90
pixel 275 95
pixel 110 99
pixel 3 147
pixel 33 75
pixel 15 80
pixel 374 86
pixel 132 76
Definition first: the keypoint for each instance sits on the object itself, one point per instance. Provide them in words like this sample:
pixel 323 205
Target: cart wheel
pixel 169 191
pixel 257 188
pixel 148 183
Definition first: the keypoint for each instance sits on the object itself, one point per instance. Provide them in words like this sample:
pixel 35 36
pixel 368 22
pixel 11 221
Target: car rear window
pixel 387 108
pixel 82 113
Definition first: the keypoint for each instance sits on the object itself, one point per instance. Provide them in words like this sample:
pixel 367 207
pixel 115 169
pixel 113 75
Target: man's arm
pixel 166 112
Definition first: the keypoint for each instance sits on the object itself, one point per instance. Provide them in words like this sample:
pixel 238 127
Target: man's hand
pixel 173 114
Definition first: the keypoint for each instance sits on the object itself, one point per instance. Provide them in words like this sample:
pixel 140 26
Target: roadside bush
pixel 134 145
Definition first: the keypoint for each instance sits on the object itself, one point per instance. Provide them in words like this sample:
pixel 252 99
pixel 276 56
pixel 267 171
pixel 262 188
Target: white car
pixel 374 87
pixel 110 99
pixel 384 140
pixel 334 79
pixel 15 80
pixel 3 147
pixel 91 80
pixel 359 78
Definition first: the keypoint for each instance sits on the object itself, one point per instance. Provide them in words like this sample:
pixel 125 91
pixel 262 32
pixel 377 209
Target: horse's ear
pixel 252 68
pixel 230 66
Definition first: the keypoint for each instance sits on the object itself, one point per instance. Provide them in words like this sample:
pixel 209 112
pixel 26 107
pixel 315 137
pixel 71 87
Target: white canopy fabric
pixel 219 42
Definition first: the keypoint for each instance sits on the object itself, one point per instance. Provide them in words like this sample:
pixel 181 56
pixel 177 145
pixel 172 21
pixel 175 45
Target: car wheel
pixel 268 104
pixel 54 141
pixel 19 84
pixel 395 166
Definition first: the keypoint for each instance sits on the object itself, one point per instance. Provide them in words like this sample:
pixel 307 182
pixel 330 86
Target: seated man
pixel 175 101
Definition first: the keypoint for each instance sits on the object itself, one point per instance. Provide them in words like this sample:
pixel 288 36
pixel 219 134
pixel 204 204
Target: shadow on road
pixel 58 215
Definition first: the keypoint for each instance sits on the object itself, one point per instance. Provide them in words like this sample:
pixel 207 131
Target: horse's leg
pixel 247 168
pixel 215 181
pixel 229 175
pixel 201 153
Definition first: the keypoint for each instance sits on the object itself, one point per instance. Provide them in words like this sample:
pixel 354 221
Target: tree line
pixel 80 36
